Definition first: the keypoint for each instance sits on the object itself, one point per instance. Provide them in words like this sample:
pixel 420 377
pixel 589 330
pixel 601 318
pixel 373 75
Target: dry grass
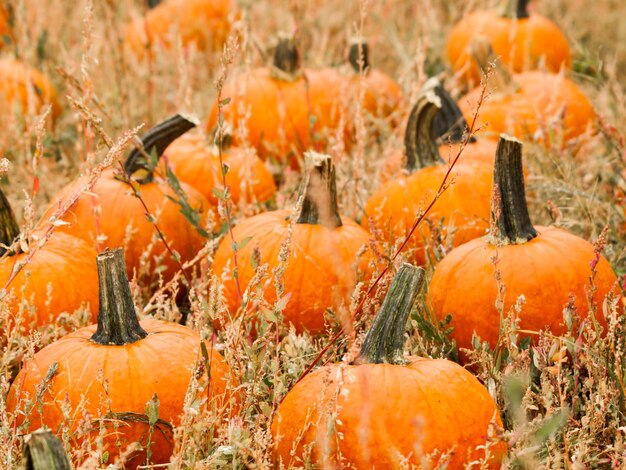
pixel 563 399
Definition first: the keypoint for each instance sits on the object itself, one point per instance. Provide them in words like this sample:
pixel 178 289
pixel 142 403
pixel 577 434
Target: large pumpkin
pixel 386 410
pixel 544 264
pixel 449 127
pixel 530 105
pixel 59 277
pixel 26 89
pixel 321 271
pixel 110 215
pixel 285 110
pixel 524 40
pixel 197 162
pixel 104 375
pixel 203 24
pixel 462 210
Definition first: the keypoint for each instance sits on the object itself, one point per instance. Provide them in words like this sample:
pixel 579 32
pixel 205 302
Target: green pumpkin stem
pixel 385 339
pixel 420 146
pixel 9 229
pixel 510 219
pixel 117 320
pixel 44 451
pixel 286 57
pixel 515 9
pixel 359 55
pixel 319 192
pixel 449 123
pixel 154 142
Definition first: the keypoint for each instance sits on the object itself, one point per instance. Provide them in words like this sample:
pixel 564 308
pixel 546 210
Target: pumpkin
pixel 26 89
pixel 282 112
pixel 203 24
pixel 381 93
pixel 321 271
pixel 544 264
pixel 462 210
pixel 105 375
pixel 524 40
pixel 6 32
pixel 532 105
pixel 197 163
pixel 449 126
pixel 112 216
pixel 60 277
pixel 386 410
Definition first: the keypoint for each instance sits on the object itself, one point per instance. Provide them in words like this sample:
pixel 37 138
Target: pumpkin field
pixel 275 234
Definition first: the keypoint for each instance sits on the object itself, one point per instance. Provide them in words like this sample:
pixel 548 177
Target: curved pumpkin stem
pixel 117 320
pixel 420 147
pixel 154 143
pixel 9 229
pixel 449 123
pixel 515 9
pixel 510 218
pixel 490 66
pixel 359 55
pixel 286 58
pixel 44 451
pixel 385 340
pixel 319 192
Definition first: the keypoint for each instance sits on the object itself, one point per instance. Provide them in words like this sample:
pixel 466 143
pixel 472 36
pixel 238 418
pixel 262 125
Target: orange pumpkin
pixel 284 110
pixel 104 375
pixel 26 89
pixel 322 267
pixel 524 41
pixel 544 264
pixel 534 105
pixel 6 32
pixel 462 210
pixel 203 24
pixel 386 410
pixel 381 93
pixel 60 277
pixel 197 163
pixel 449 126
pixel 112 216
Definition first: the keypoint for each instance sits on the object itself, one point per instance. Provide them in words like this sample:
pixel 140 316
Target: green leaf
pixel 224 102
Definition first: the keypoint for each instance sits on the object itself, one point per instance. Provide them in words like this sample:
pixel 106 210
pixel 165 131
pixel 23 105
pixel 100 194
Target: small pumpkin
pixel 449 127
pixel 105 375
pixel 283 112
pixel 463 209
pixel 203 24
pixel 6 32
pixel 197 163
pixel 529 105
pixel 60 277
pixel 545 264
pixel 26 88
pixel 381 93
pixel 112 216
pixel 524 40
pixel 321 272
pixel 386 410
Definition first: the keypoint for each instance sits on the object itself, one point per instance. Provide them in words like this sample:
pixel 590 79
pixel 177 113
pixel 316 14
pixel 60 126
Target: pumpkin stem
pixel 319 192
pixel 420 147
pixel 44 451
pixel 9 229
pixel 515 9
pixel 385 339
pixel 359 55
pixel 153 3
pixel 449 123
pixel 286 57
pixel 154 143
pixel 510 218
pixel 117 320
pixel 491 66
